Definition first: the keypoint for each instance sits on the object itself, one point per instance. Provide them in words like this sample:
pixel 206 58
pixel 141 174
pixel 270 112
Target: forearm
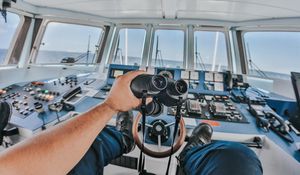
pixel 57 150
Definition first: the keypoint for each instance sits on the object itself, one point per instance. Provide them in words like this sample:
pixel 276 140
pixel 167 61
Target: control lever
pixel 40 109
pixel 71 93
pixel 267 118
pixel 279 126
pixel 261 121
pixel 58 106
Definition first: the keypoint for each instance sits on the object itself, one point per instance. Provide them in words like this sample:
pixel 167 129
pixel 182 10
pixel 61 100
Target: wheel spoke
pixel 159 142
pixel 170 124
pixel 146 124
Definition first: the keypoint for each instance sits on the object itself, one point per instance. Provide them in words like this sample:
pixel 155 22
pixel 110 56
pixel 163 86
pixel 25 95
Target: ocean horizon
pixel 45 57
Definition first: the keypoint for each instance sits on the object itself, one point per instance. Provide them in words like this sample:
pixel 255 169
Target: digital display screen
pixel 114 73
pixel 118 73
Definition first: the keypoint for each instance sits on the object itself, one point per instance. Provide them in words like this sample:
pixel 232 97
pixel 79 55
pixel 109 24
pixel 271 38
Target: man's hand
pixel 120 97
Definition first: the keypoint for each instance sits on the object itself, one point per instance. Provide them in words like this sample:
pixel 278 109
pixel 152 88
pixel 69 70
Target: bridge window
pixel 168 48
pixel 272 54
pixel 210 51
pixel 69 43
pixel 7 33
pixel 129 47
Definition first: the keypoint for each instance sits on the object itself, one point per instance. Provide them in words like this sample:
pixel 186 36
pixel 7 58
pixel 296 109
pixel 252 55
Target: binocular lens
pixel 154 108
pixel 159 82
pixel 181 86
pixel 177 88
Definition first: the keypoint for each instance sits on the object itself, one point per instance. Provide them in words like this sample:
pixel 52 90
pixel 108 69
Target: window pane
pixel 130 46
pixel 210 51
pixel 273 54
pixel 69 43
pixel 168 48
pixel 7 32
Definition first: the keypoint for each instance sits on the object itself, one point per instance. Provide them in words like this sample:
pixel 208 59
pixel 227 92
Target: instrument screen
pixel 117 73
pixel 185 75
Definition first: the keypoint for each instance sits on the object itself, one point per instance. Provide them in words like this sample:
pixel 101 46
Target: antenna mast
pixel 199 59
pixel 253 66
pixel 88 50
pixel 119 51
pixel 158 55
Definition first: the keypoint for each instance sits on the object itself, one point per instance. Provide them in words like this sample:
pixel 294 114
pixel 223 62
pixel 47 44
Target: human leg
pixel 111 143
pixel 200 156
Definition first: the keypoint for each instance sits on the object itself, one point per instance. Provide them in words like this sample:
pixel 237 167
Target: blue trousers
pixel 218 158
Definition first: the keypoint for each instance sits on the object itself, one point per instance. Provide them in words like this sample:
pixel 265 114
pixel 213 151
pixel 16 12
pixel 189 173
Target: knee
pixel 235 147
pixel 231 153
pixel 223 158
pixel 237 151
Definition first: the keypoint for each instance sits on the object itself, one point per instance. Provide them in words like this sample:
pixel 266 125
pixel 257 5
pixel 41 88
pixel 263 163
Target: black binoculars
pixel 164 91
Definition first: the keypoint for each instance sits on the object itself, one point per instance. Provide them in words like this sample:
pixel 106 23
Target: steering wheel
pixel 161 130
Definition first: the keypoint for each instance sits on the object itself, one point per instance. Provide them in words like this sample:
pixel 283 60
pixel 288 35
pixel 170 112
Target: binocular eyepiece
pixel 164 91
pixel 153 84
pixel 174 91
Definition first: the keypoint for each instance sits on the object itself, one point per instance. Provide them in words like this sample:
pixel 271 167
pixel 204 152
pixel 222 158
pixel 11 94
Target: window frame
pixel 182 28
pixel 13 40
pixel 37 43
pixel 115 40
pixel 227 43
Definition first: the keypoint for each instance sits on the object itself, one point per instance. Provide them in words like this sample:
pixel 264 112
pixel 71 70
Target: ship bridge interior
pixel 239 61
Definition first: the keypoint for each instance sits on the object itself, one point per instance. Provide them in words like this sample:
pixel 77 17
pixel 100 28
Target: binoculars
pixel 164 91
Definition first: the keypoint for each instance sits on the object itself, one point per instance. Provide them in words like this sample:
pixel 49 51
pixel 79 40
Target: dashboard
pixel 219 98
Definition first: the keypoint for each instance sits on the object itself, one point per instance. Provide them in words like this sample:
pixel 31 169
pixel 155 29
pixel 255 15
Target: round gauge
pixel 166 74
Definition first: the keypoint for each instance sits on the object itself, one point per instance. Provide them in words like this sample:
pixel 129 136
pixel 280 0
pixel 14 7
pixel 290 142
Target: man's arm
pixel 59 149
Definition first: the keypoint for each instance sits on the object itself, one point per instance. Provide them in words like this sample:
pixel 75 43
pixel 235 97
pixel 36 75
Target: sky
pixel 271 51
pixel 7 29
pixel 135 38
pixel 70 37
pixel 274 51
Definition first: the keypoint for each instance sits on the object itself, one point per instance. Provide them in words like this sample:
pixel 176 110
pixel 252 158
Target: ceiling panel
pixel 228 10
pixel 107 8
pixel 237 10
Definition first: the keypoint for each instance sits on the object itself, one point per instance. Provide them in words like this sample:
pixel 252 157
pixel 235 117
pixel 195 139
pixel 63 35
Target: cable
pixel 57 117
pixel 142 157
pixel 178 117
